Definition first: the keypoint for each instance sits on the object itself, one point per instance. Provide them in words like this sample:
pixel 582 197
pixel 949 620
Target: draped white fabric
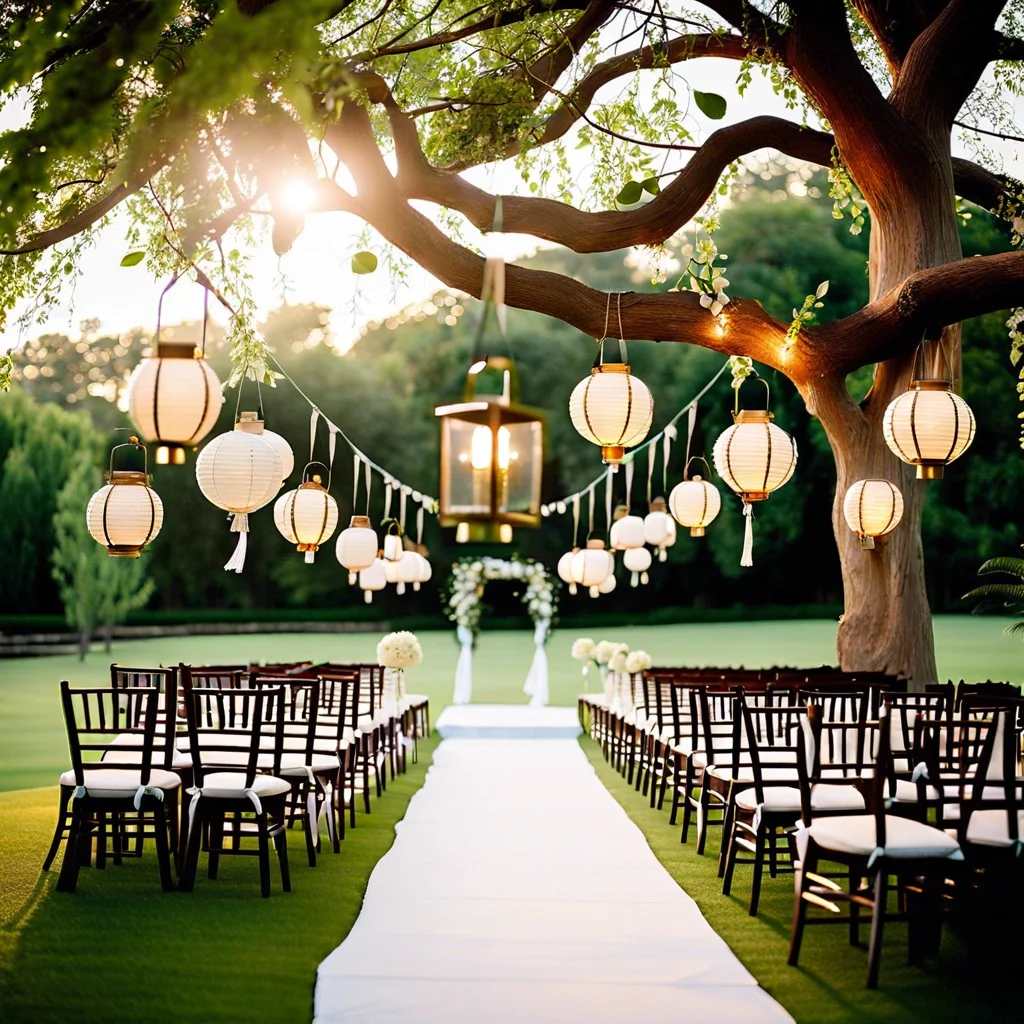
pixel 518 890
pixel 464 669
pixel 536 685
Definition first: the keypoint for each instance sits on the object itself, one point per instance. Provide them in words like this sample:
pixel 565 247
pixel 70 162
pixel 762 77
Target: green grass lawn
pixel 33 749
pixel 828 987
pixel 120 951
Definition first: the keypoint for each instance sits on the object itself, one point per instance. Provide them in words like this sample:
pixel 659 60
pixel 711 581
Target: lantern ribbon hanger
pixel 665 435
pixel 429 503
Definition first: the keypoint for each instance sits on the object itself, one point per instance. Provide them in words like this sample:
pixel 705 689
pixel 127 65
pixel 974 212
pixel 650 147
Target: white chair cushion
pixel 905 837
pixel 991 827
pixel 295 764
pixel 110 783
pixel 119 753
pixel 787 798
pixel 417 700
pixel 231 785
pixel 745 774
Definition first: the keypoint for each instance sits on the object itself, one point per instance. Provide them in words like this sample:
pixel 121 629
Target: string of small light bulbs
pixel 174 399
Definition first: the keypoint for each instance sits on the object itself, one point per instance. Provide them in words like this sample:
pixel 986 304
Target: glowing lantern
pixel 659 530
pixel 492 455
pixel 307 516
pixel 125 514
pixel 637 561
pixel 239 471
pixel 928 426
pixel 565 569
pixel 373 578
pixel 592 564
pixel 627 531
pixel 754 457
pixel 695 502
pixel 872 508
pixel 174 398
pixel 612 408
pixel 356 548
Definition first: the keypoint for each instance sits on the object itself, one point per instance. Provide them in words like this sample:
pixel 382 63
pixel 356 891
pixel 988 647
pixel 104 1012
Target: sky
pixel 317 269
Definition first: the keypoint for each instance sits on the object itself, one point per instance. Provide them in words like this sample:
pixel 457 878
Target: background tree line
pixel 781 239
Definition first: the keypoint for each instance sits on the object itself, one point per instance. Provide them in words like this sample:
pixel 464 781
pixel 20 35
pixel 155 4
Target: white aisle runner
pixel 519 892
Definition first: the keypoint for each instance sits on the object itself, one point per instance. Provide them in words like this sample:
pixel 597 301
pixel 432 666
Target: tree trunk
pixel 886 625
pixel 84 638
pixel 108 636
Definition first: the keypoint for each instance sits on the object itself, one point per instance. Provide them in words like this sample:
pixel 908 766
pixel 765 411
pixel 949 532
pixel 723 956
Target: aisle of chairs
pixel 916 793
pixel 223 759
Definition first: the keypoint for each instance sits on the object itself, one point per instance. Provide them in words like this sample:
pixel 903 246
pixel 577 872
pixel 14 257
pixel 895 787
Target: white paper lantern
pixel 928 426
pixel 695 504
pixel 613 409
pixel 426 569
pixel 754 457
pixel 565 570
pixel 393 544
pixel 356 547
pixel 307 516
pixel 627 530
pixel 659 530
pixel 592 564
pixel 239 471
pixel 373 578
pixel 174 399
pixel 405 570
pixel 125 514
pixel 637 561
pixel 872 508
pixel 609 584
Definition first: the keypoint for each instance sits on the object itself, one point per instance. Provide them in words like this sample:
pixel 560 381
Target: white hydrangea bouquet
pixel 638 661
pixel 609 654
pixel 583 649
pixel 396 652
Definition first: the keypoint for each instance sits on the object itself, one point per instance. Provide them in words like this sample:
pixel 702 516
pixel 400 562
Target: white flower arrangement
pixel 399 650
pixel 467 583
pixel 583 649
pixel 606 649
pixel 617 662
pixel 638 661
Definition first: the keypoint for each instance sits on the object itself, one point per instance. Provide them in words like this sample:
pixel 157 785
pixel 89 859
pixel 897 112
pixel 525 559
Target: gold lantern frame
pixel 132 478
pixel 494 525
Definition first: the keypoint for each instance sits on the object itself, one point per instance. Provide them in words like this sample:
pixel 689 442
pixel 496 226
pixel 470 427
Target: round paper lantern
pixel 373 578
pixel 426 569
pixel 928 427
pixel 613 409
pixel 637 561
pixel 627 531
pixel 695 503
pixel 239 471
pixel 125 514
pixel 872 508
pixel 609 584
pixel 754 457
pixel 659 530
pixel 592 564
pixel 307 516
pixel 252 424
pixel 405 570
pixel 565 569
pixel 393 543
pixel 356 548
pixel 174 398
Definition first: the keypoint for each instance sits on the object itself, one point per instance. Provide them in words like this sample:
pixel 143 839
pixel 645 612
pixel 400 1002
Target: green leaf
pixel 650 185
pixel 364 263
pixel 710 104
pixel 630 193
pixel 132 259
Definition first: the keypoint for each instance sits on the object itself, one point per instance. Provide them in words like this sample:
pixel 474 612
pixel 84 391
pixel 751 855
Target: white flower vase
pixel 586 677
pixel 608 679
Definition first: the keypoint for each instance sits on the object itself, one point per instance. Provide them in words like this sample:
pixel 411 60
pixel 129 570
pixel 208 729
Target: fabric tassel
pixel 310 555
pixel 645 579
pixel 634 580
pixel 368 596
pixel 662 554
pixel 416 587
pixel 747 558
pixel 573 589
pixel 239 525
pixel 594 591
pixel 400 589
pixel 352 579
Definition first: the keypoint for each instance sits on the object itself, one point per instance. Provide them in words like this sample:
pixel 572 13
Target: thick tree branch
pixel 744 328
pixel 946 61
pixel 893 325
pixel 895 24
pixel 997 193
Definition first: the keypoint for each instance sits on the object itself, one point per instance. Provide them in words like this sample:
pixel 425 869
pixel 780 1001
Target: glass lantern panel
pixel 467 477
pixel 520 461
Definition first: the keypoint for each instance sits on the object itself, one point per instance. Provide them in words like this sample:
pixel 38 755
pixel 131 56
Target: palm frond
pixel 1012 566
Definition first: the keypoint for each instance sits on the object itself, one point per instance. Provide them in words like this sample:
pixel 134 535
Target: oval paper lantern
pixel 252 424
pixel 637 561
pixel 239 471
pixel 373 578
pixel 695 504
pixel 565 570
pixel 659 530
pixel 609 584
pixel 627 530
pixel 613 409
pixel 174 399
pixel 125 514
pixel 356 548
pixel 307 516
pixel 872 508
pixel 928 427
pixel 592 564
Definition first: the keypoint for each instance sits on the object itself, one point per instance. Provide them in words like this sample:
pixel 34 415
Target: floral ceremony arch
pixel 465 591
